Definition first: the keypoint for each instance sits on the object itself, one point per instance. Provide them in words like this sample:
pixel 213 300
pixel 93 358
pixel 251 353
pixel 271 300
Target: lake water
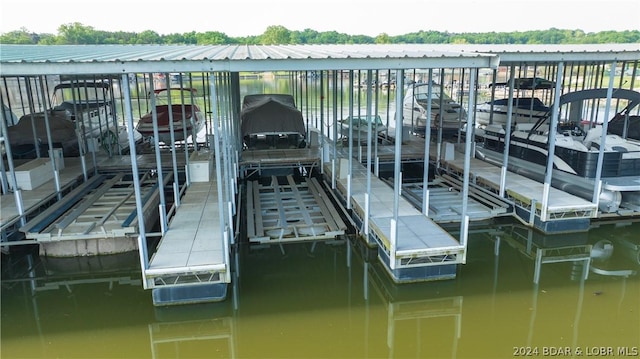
pixel 333 299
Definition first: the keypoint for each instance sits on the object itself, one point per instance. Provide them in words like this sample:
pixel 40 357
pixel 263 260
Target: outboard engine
pixel 609 201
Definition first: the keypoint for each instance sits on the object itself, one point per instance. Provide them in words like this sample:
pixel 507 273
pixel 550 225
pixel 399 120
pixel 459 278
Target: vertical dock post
pixel 551 143
pixel 217 156
pixel 142 242
pixel 603 137
pixel 156 135
pixel 427 146
pixel 507 130
pixel 397 179
pixel 464 220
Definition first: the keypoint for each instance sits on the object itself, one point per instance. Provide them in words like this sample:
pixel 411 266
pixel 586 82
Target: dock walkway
pixel 192 251
pixel 422 251
pixel 564 211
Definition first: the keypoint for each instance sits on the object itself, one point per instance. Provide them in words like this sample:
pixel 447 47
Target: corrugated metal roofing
pixel 82 59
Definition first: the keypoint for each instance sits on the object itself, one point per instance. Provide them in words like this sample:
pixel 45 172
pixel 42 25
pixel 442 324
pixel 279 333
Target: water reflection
pixel 333 299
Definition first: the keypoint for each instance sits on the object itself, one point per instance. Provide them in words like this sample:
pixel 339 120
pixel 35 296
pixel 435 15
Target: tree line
pixel 79 34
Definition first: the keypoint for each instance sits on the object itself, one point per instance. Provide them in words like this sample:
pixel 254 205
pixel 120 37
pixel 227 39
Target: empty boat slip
pixel 98 217
pixel 286 211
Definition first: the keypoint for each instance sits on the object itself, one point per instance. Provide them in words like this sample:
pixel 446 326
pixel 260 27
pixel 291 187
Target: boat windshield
pixel 421 93
pixel 362 121
pixel 81 93
pixel 179 96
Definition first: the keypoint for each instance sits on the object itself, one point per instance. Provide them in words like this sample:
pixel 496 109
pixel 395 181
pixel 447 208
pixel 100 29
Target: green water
pixel 332 300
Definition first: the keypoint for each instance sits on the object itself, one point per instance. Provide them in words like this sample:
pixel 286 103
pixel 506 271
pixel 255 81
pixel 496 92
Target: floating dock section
pixel 423 250
pixel 262 162
pixel 191 262
pixel 564 212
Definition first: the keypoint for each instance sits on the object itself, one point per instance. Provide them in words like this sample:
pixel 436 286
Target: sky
pixel 238 18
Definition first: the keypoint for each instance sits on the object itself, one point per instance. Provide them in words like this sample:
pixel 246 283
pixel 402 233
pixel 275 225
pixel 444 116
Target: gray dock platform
pixel 258 161
pixel 423 250
pixel 34 200
pixel 564 212
pixel 445 201
pixel 191 260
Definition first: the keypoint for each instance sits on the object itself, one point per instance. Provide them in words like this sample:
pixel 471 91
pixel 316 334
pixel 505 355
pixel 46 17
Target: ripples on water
pixel 332 299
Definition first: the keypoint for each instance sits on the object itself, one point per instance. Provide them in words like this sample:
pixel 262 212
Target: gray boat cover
pixel 63 132
pixel 271 113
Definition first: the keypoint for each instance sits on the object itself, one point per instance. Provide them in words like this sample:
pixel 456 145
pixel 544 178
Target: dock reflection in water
pixel 332 299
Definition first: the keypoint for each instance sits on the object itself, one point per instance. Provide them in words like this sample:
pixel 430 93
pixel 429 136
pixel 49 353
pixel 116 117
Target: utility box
pixel 33 174
pixel 200 166
pixel 449 153
pixel 58 157
pixel 343 168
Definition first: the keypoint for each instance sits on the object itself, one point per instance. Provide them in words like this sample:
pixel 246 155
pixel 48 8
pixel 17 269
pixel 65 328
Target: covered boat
pixel 271 121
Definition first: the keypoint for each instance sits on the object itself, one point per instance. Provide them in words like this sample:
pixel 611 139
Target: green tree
pixel 148 37
pixel 212 38
pixel 22 37
pixel 276 35
pixel 383 38
pixel 76 34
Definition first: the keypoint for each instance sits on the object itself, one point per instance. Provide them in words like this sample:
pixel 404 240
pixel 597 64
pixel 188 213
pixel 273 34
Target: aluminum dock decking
pixel 421 251
pixel 33 200
pixel 563 213
pixel 258 161
pixel 96 218
pixel 191 262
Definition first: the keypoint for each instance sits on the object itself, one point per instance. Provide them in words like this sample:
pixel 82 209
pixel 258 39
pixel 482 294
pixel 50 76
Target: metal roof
pixel 543 53
pixel 112 59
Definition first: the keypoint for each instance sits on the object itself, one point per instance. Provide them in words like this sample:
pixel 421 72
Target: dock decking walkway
pixel 192 251
pixel 564 211
pixel 422 251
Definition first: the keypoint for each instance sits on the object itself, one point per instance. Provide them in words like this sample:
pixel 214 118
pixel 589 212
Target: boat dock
pixel 185 205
